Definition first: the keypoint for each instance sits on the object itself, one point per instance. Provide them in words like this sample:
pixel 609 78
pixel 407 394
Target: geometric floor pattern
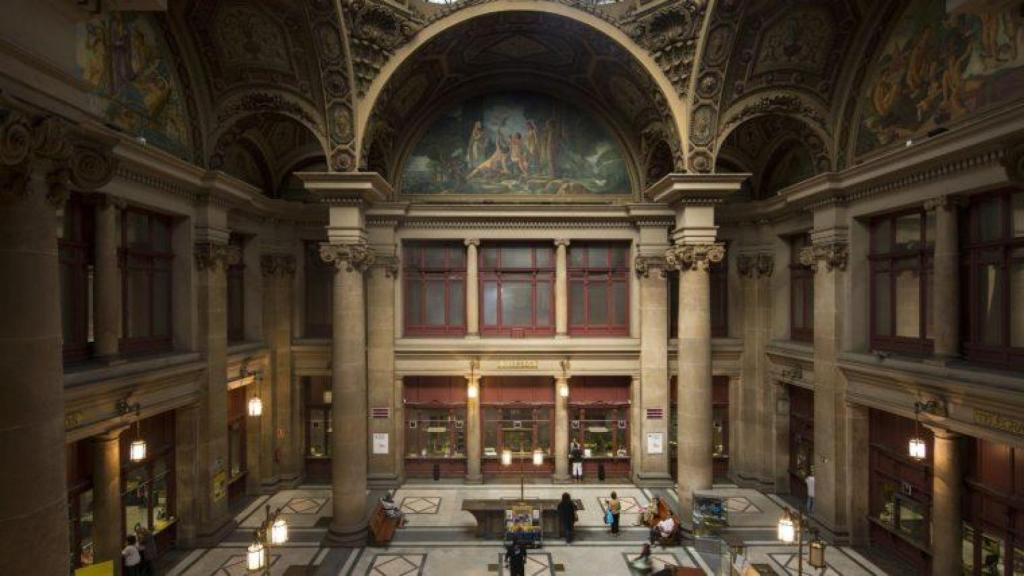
pixel 659 560
pixel 421 505
pixel 741 505
pixel 788 562
pixel 304 505
pixel 629 505
pixel 537 564
pixel 397 565
pixel 236 565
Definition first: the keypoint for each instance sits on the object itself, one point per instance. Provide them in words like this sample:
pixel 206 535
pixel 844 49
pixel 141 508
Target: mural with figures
pixel 124 57
pixel 938 68
pixel 519 144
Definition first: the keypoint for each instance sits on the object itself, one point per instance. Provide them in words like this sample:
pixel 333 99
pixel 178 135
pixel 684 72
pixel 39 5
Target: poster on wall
pixel 655 443
pixel 380 442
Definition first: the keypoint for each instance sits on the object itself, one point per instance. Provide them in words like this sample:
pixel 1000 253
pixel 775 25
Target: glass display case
pixel 435 432
pixel 519 429
pixel 602 431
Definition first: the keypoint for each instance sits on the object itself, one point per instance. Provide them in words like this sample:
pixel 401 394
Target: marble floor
pixel 438 537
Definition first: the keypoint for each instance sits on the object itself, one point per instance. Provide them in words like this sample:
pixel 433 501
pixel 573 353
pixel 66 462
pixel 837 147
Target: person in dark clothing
pixel 576 457
pixel 517 559
pixel 567 517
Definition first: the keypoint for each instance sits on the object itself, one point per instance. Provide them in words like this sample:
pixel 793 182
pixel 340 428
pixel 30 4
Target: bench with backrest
pixel 382 526
pixel 662 513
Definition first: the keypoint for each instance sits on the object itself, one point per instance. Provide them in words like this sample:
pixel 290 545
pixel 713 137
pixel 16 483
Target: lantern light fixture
pixel 137 448
pixel 255 406
pixel 279 532
pixel 787 528
pixel 506 457
pixel 916 447
pixel 538 457
pixel 255 556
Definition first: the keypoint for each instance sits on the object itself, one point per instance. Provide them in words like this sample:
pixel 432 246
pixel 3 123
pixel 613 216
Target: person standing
pixel 809 480
pixel 576 457
pixel 131 557
pixel 615 507
pixel 567 517
pixel 147 550
pixel 517 558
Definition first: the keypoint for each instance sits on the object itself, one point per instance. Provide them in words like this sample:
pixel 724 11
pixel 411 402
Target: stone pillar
pixel 694 439
pixel 280 441
pixel 945 299
pixel 472 289
pixel 947 496
pixel 254 437
pixel 107 279
pixel 561 430
pixel 212 258
pixel 473 474
pixel 755 466
pixel 186 474
pixel 561 289
pixel 399 428
pixel 380 357
pixel 33 508
pixel 348 385
pixel 652 387
pixel 108 533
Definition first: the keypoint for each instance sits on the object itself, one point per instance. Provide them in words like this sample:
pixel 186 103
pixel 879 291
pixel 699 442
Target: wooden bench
pixel 382 526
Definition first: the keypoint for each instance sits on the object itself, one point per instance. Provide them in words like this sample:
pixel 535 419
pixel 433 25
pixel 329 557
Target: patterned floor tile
pixel 304 505
pixel 789 564
pixel 659 560
pixel 235 565
pixel 397 565
pixel 741 505
pixel 628 503
pixel 537 564
pixel 421 504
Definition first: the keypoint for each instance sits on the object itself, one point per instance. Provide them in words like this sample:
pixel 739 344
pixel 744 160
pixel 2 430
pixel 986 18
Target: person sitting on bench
pixel 392 510
pixel 663 529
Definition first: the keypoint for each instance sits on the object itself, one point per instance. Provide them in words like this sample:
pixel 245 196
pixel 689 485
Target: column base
pixel 383 481
pixel 561 336
pixel 561 479
pixel 654 480
pixel 347 536
pixel 213 536
pixel 474 479
pixel 941 361
pixel 472 336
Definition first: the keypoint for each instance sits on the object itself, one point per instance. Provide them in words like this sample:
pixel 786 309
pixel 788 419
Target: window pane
pixel 990 305
pixel 576 316
pixel 577 257
pixel 433 257
pixel 161 304
pixel 516 307
pixel 619 256
pixel 516 258
pixel 798 303
pixel 161 235
pixel 881 305
pixel 908 232
pixel 544 257
pixel 456 301
pixel 880 238
pixel 490 303
pixel 138 304
pixel 929 286
pixel 489 256
pixel 235 450
pixel 908 299
pixel 619 303
pixel 990 222
pixel 319 435
pixel 136 498
pixel 544 303
pixel 162 515
pixel 1018 214
pixel 992 554
pixel 597 256
pixel 457 258
pixel 1017 299
pixel 434 305
pixel 414 292
pixel 138 230
pixel 967 549
pixel 598 304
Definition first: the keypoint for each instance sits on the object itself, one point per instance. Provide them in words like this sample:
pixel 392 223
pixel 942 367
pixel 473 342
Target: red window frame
pixel 884 258
pixel 1001 250
pixel 318 323
pixel 77 249
pixel 586 269
pixel 236 292
pixel 501 273
pixel 718 280
pixel 419 269
pixel 149 259
pixel 800 308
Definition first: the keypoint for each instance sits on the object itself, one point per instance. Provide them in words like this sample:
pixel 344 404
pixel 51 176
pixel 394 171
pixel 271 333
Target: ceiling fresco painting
pixel 937 69
pixel 516 143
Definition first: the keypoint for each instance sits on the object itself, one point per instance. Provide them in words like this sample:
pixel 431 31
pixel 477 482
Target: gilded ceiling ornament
pixel 694 257
pixel 351 257
pixel 755 265
pixel 277 265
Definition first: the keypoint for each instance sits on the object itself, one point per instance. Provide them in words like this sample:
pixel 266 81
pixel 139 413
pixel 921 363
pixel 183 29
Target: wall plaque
pixel 655 443
pixel 517 364
pixel 999 422
pixel 380 442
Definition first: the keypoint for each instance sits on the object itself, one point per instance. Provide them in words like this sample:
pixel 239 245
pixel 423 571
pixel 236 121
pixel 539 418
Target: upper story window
pixel 901 280
pixel 236 292
pixel 146 259
pixel 801 292
pixel 516 290
pixel 77 252
pixel 435 288
pixel 599 289
pixel 993 282
pixel 319 292
pixel 718 278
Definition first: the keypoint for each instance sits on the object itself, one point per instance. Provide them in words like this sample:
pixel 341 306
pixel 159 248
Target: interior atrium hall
pixel 472 287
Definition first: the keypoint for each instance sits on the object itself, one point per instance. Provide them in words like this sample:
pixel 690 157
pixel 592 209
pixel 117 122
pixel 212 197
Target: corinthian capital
pixel 389 264
pixel 697 257
pixel 644 265
pixel 351 257
pixel 213 256
pixel 834 255
pixel 755 265
pixel 277 264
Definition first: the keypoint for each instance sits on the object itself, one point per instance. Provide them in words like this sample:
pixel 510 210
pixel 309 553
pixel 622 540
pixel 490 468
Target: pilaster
pixel 280 440
pixel 755 268
pixel 561 288
pixel 473 450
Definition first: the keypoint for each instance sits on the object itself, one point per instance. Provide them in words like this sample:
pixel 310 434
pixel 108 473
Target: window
pixel 516 290
pixel 801 292
pixel 319 293
pixel 993 538
pixel 147 493
pixel 435 432
pixel 435 289
pixel 602 431
pixel 146 259
pixel 994 282
pixel 719 282
pixel 519 429
pixel 236 292
pixel 901 271
pixel 77 252
pixel 599 289
pixel 318 418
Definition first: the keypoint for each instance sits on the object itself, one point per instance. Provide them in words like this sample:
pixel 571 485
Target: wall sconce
pixel 473 390
pixel 255 406
pixel 137 449
pixel 916 448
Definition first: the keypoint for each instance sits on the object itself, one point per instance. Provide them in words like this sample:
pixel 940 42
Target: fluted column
pixel 695 465
pixel 107 279
pixel 561 429
pixel 947 496
pixel 108 533
pixel 473 474
pixel 348 385
pixel 945 299
pixel 472 288
pixel 561 288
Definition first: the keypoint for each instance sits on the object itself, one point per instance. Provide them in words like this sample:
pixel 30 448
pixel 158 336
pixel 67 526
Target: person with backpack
pixel 576 457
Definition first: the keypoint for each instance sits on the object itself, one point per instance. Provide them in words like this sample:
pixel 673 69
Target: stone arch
pixel 237 107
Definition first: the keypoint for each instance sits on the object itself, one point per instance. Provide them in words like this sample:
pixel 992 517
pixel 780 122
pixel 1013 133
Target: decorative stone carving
pixel 57 190
pixel 834 255
pixel 694 257
pixel 25 140
pixel 91 167
pixel 389 264
pixel 376 30
pixel 216 257
pixel 755 265
pixel 944 202
pixel 644 265
pixel 670 33
pixel 351 257
pixel 562 242
pixel 277 265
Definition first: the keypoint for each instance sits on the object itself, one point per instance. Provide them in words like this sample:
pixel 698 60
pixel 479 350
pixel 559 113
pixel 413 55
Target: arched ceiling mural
pixel 677 81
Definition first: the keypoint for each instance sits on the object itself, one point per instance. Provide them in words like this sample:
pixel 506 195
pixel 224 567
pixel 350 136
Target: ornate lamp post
pixel 791 528
pixel 272 532
pixel 506 460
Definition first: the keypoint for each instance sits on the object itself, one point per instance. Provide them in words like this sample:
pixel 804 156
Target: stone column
pixel 399 428
pixel 947 496
pixel 380 358
pixel 349 414
pixel 280 441
pixel 186 474
pixel 561 289
pixel 33 508
pixel 254 437
pixel 945 299
pixel 108 533
pixel 561 430
pixel 653 384
pixel 695 464
pixel 107 279
pixel 755 466
pixel 472 289
pixel 473 475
